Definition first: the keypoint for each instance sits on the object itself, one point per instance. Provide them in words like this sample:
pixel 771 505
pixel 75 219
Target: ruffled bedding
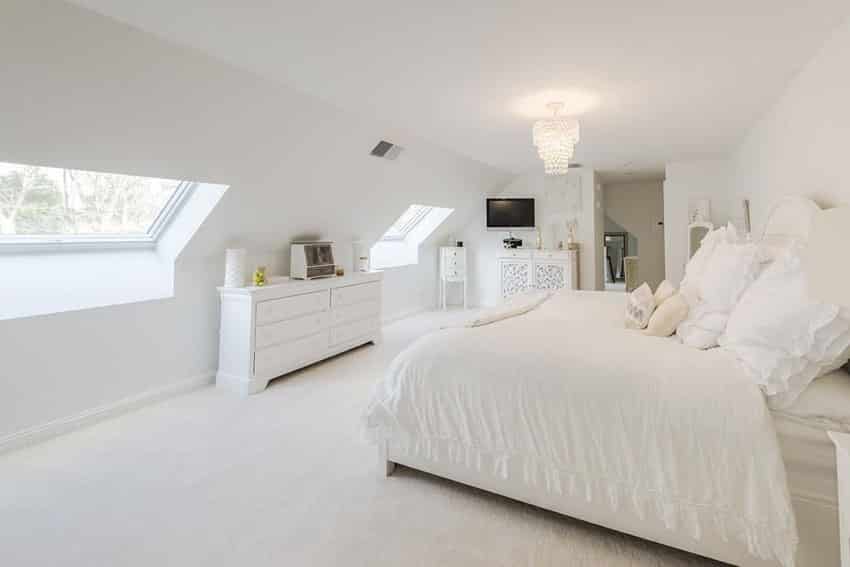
pixel 564 398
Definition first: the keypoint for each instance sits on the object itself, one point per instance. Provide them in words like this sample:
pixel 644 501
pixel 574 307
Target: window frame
pixel 422 214
pixel 74 242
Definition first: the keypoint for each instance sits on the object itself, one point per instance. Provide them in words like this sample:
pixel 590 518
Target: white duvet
pixel 586 407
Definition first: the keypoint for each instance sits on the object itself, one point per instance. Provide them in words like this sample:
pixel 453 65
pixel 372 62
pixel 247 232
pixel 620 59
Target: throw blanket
pixel 517 305
pixel 585 407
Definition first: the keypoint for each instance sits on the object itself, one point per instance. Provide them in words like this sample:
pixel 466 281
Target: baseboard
pixel 402 315
pixel 57 427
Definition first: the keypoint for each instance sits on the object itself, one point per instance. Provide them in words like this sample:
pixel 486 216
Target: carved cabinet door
pixel 515 276
pixel 550 275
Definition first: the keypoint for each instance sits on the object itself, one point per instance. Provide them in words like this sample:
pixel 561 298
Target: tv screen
pixel 514 213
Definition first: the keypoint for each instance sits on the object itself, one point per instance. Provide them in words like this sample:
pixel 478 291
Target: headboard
pixel 789 221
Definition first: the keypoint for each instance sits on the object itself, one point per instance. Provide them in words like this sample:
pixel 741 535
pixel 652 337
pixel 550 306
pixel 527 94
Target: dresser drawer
pixel 291 307
pixel 355 312
pixel 349 331
pixel 284 331
pixel 455 261
pixel 349 295
pixel 279 359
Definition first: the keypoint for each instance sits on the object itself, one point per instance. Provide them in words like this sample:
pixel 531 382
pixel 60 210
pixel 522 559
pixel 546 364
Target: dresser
pixel 452 270
pixel 272 330
pixel 524 270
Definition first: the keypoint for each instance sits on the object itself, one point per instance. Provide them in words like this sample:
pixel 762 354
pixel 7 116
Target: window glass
pixel 46 201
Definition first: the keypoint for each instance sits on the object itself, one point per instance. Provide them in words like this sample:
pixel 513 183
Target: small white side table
pixel 842 461
pixel 452 270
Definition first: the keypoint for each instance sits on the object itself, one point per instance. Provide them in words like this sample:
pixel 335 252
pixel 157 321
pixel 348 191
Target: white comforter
pixel 585 407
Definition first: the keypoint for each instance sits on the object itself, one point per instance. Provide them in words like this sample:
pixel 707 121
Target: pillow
pixel 728 273
pixel 663 292
pixel 702 326
pixel 667 316
pixel 639 307
pixel 783 338
pixel 697 265
pixel 731 269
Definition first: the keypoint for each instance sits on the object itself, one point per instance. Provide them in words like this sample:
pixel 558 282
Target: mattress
pixel 808 453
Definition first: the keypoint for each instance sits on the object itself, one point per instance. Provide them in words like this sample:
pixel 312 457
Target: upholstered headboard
pixel 789 221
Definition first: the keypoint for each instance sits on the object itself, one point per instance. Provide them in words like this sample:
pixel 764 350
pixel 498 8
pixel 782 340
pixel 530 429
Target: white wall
pixel 638 208
pixel 800 145
pixel 685 184
pixel 557 200
pixel 98 95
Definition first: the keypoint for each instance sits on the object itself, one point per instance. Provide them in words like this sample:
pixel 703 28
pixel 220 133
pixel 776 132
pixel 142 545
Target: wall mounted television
pixel 510 213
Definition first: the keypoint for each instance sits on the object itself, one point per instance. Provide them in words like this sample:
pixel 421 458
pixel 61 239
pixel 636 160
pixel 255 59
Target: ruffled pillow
pixel 728 272
pixel 782 337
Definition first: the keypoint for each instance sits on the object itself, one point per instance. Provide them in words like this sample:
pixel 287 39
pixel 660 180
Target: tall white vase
pixel 235 267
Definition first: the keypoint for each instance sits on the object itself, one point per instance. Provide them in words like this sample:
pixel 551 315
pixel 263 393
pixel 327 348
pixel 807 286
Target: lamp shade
pixel 827 271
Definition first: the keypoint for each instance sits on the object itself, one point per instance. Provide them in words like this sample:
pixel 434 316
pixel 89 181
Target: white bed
pixel 563 408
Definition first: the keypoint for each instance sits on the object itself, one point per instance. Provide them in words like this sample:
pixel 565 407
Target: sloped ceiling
pixel 654 80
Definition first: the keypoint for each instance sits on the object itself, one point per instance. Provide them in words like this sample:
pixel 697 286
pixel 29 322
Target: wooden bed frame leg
pixel 385 465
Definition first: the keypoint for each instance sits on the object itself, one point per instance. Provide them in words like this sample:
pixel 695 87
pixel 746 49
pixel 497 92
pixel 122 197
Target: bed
pixel 563 408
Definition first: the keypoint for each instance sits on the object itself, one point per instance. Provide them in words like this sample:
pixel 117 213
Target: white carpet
pixel 280 478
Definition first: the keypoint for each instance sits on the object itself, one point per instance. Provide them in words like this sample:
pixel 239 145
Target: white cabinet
pixel 452 270
pixel 272 330
pixel 524 270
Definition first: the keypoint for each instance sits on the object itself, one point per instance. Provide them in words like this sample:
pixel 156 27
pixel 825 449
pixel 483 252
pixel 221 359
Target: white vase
pixel 235 274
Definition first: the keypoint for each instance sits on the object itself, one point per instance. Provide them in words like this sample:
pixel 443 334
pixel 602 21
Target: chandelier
pixel 555 139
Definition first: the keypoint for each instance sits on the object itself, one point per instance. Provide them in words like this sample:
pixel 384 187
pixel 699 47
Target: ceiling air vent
pixel 386 150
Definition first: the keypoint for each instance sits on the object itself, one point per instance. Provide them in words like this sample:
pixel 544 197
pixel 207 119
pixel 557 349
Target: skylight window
pixel 399 246
pixel 54 206
pixel 407 222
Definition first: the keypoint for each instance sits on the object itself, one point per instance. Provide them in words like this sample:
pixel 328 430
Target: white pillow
pixel 782 337
pixel 731 269
pixel 663 292
pixel 639 307
pixel 667 316
pixel 727 274
pixel 698 264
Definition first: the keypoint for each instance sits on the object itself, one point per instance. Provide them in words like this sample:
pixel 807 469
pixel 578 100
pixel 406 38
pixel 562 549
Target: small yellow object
pixel 260 276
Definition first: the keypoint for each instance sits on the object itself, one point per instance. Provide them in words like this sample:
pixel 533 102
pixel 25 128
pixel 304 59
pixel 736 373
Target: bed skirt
pixel 817 523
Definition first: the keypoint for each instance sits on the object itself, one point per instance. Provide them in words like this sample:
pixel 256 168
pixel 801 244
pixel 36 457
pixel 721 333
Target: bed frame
pixel 817 519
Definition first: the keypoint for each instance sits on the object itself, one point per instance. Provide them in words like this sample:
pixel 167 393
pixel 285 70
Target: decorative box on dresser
pixel 271 330
pixel 522 270
pixel 842 458
pixel 452 270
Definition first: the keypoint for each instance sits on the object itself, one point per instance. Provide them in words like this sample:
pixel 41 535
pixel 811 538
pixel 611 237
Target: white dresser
pixel 452 270
pixel 271 330
pixel 523 270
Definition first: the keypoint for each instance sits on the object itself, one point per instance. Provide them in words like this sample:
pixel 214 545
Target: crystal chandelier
pixel 555 139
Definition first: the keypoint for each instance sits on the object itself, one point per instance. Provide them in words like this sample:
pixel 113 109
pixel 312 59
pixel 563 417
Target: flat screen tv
pixel 510 213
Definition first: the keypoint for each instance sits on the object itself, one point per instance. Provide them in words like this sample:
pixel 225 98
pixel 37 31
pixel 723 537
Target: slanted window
pixel 399 246
pixel 406 222
pixel 50 206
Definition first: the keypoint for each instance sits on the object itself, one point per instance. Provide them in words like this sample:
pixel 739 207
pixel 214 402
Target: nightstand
pixel 842 461
pixel 452 270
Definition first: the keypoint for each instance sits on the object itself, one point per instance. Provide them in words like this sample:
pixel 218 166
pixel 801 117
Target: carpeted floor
pixel 280 478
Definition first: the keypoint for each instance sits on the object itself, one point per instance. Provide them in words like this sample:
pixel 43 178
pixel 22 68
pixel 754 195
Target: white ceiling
pixel 654 80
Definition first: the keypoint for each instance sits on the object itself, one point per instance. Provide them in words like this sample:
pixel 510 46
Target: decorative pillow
pixel 639 307
pixel 667 316
pixel 728 272
pixel 663 292
pixel 783 338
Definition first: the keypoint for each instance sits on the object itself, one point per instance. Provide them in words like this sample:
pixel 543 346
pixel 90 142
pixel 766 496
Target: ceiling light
pixel 555 139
